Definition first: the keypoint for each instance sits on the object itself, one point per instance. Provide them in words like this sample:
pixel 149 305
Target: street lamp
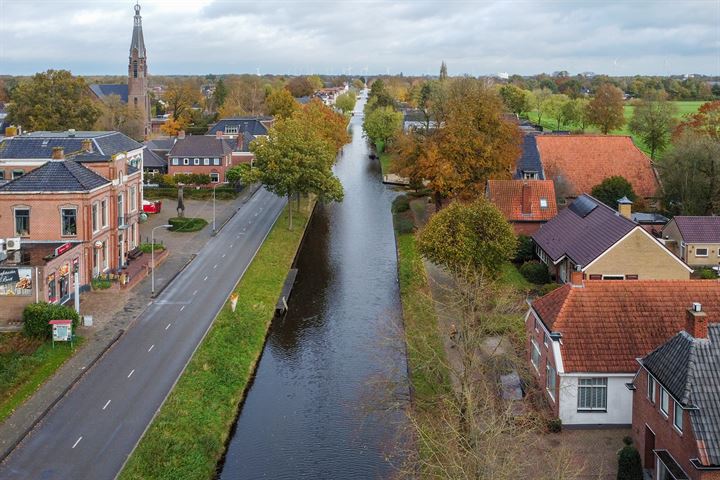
pixel 152 256
pixel 214 187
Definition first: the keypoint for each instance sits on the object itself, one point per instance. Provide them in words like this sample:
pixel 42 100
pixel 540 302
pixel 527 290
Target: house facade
pixel 525 204
pixel 694 239
pixel 676 413
pixel 239 132
pixel 584 339
pixel 201 154
pixel 603 244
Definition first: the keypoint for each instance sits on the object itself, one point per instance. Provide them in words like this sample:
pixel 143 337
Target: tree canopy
pixel 612 189
pixel 382 124
pixel 346 102
pixel 606 109
pixel 516 99
pixel 120 117
pixel 280 103
pixel 53 100
pixel 652 121
pixel 301 87
pixel 468 238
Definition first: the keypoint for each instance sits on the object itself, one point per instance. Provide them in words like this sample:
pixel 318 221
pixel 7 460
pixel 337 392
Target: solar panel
pixel 582 206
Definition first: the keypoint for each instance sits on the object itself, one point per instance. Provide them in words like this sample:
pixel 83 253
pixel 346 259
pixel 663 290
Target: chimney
pixel 576 277
pixel 526 199
pixel 219 134
pixel 87 145
pixel 181 134
pixel 696 321
pixel 58 153
pixel 625 207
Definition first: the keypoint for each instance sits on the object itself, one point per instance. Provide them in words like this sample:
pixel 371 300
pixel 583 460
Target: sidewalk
pixel 114 312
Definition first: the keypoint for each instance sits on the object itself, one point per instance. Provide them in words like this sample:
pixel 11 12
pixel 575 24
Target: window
pixel 543 203
pixel 186 161
pixel 701 252
pixel 595 276
pixel 550 380
pixel 133 199
pixel 613 277
pixel 536 324
pixel 535 354
pixel 135 68
pixel 103 213
pixel 678 416
pixel 175 161
pixel 22 222
pixel 592 394
pixel 18 174
pixel 214 178
pixel 546 340
pixel 664 401
pixel 206 161
pixel 68 218
pixel 196 161
pixel 231 130
pixel 106 254
pixel 651 388
pixel 95 217
pixel 631 277
pixel 216 161
pixel 2 177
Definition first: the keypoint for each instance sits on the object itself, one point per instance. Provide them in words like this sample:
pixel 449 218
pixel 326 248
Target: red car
pixel 152 207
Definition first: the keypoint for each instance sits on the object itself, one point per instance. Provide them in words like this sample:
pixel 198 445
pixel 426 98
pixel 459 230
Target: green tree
pixel 238 174
pixel 606 109
pixel 443 71
pixel 425 101
pixel 300 87
pixel 280 103
pixel 220 94
pixel 381 125
pixel 379 96
pixel 468 238
pixel 346 102
pixel 358 84
pixel 53 100
pixel 555 108
pixel 652 121
pixel 629 465
pixel 120 117
pixel 538 99
pixel 316 82
pixel 516 99
pixel 612 189
pixel 180 96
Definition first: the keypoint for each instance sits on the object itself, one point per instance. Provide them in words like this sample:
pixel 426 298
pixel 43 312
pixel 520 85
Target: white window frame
pixel 592 384
pixel 664 401
pixel 95 216
pixel 186 161
pixel 678 416
pixel 106 255
pixel 231 130
pixel 196 161
pixel 175 161
pixel 651 388
pixel 15 209
pixel 535 353
pixel 698 254
pixel 216 161
pixel 217 177
pixel 103 213
pixel 550 374
pixel 133 198
pixel 546 340
pixel 206 161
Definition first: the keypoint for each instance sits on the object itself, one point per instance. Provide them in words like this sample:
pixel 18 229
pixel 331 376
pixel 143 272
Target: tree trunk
pixel 290 225
pixel 298 201
pixel 438 201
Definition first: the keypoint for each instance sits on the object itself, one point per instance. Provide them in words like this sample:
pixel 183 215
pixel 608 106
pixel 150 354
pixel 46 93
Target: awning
pixel 671 465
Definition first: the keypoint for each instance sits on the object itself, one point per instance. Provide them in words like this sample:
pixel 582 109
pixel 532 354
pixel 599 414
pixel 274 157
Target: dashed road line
pixel 168 326
pixel 214 267
pixel 77 441
pixel 182 308
pixel 151 347
pixel 195 293
pixel 223 255
pixel 131 372
pixel 106 405
pixel 205 279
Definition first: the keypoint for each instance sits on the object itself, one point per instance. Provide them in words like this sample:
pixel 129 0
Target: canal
pixel 320 405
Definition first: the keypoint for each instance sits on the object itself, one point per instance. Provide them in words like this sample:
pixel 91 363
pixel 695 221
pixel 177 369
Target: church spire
pixel 138 42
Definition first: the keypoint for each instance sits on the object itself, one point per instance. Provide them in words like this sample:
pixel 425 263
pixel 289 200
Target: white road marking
pixel 168 326
pixel 256 214
pixel 195 293
pixel 77 441
pixel 182 308
pixel 231 245
pixel 223 255
pixel 106 405
pixel 215 266
pixel 151 347
pixel 205 279
pixel 131 372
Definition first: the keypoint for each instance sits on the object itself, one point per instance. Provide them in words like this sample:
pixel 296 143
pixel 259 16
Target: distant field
pixel 683 108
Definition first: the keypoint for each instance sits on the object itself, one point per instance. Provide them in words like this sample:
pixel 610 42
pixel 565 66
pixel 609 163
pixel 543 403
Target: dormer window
pixel 543 203
pixel 231 130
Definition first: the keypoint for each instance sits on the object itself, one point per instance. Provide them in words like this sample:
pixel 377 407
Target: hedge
pixel 221 193
pixel 535 272
pixel 37 315
pixel 187 224
pixel 400 204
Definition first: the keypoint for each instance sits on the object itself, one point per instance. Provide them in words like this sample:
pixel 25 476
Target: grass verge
pixel 25 365
pixel 187 438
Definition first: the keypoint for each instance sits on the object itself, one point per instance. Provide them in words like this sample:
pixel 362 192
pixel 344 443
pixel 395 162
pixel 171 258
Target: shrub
pixel 187 224
pixel 535 272
pixel 404 225
pixel 707 273
pixel 525 249
pixel 629 465
pixel 554 425
pixel 100 283
pixel 400 204
pixel 147 247
pixel 37 315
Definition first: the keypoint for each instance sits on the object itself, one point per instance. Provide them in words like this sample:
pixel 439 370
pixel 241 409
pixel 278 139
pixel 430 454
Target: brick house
pixel 676 407
pixel 92 200
pixel 603 244
pixel 239 132
pixel 694 239
pixel 526 204
pixel 584 340
pixel 200 154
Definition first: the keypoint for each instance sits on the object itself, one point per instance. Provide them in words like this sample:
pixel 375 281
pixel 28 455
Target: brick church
pixel 135 92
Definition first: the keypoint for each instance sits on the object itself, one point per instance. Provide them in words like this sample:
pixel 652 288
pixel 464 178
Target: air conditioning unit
pixel 12 243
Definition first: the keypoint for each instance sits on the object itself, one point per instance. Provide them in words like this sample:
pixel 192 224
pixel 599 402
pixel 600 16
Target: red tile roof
pixel 607 324
pixel 507 195
pixel 586 160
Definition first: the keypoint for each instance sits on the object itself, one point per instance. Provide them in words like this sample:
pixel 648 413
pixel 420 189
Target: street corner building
pixel 73 213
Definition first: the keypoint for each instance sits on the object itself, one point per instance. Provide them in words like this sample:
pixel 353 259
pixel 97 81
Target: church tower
pixel 137 73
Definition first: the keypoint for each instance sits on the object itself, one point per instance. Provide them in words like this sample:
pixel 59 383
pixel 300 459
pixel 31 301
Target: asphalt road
pixel 91 432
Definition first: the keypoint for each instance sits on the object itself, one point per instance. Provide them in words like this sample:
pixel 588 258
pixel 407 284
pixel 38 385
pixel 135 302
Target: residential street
pixel 90 433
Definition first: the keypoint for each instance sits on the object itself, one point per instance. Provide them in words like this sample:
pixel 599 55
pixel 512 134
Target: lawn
pixel 187 438
pixel 683 108
pixel 510 275
pixel 25 364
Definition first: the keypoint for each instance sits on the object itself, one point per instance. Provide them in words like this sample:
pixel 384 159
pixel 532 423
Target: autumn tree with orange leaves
pixel 473 144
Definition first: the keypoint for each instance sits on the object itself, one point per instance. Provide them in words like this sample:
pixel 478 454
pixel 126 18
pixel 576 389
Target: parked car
pixel 152 207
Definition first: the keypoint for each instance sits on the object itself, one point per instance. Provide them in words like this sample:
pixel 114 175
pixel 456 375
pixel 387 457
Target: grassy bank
pixel 25 364
pixel 188 436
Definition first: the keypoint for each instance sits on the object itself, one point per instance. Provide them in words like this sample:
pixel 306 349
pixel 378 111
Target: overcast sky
pixel 300 37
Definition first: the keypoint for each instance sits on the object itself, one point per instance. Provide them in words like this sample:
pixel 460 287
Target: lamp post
pixel 214 187
pixel 152 256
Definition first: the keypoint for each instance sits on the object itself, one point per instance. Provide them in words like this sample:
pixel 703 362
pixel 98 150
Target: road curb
pixel 62 395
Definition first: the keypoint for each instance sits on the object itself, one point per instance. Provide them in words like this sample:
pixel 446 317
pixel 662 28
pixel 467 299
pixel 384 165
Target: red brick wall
pixel 526 228
pixel 225 163
pixel 682 446
pixel 546 355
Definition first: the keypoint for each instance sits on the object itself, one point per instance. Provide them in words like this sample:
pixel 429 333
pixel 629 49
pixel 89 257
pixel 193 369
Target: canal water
pixel 321 404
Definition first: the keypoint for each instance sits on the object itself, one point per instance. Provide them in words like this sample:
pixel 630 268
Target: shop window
pixel 22 222
pixel 52 292
pixel 69 221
